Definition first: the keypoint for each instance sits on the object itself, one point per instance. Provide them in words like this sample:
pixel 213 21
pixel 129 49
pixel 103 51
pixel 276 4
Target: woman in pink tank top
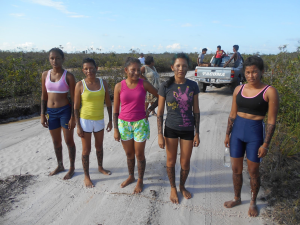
pixel 56 110
pixel 131 124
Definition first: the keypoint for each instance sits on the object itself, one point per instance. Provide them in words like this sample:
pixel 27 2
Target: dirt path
pixel 27 147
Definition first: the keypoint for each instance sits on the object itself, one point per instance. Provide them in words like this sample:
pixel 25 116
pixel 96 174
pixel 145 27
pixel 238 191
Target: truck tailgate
pixel 215 72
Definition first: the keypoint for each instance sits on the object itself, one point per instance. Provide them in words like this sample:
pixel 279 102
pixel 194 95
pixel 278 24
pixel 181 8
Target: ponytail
pixel 170 81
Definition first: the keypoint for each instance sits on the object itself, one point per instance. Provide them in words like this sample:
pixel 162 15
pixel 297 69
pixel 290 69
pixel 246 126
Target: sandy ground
pixel 26 147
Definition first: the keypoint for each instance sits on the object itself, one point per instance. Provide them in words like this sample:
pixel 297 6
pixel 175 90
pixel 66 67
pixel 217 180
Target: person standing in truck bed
pixel 219 55
pixel 201 57
pixel 236 56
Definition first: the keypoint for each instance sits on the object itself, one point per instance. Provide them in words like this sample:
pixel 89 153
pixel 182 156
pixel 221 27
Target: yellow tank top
pixel 92 102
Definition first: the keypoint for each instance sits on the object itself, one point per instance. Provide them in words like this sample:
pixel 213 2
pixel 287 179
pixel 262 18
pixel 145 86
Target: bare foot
pixel 87 182
pixel 232 203
pixel 103 171
pixel 58 169
pixel 185 192
pixel 253 211
pixel 139 187
pixel 69 174
pixel 174 196
pixel 129 180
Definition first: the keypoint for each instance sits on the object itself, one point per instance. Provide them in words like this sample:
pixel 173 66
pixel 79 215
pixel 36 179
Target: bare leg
pixel 171 149
pixel 237 177
pixel 56 138
pixel 253 169
pixel 129 150
pixel 146 105
pixel 86 149
pixel 139 148
pixel 68 135
pixel 99 151
pixel 186 147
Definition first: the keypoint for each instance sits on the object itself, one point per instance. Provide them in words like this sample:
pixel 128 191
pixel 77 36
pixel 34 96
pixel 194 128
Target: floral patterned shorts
pixel 138 130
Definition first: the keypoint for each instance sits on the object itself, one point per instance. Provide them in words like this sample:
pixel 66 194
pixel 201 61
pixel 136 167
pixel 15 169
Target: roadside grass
pixel 280 169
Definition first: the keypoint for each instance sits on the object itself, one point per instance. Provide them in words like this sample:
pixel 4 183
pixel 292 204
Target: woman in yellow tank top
pixel 90 93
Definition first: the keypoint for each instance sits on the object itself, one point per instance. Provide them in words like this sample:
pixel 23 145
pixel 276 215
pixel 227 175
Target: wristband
pixel 264 148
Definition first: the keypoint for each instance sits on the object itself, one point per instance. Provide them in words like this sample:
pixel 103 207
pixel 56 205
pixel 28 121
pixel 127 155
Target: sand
pixel 26 147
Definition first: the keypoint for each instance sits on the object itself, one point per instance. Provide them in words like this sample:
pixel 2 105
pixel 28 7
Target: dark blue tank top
pixel 252 105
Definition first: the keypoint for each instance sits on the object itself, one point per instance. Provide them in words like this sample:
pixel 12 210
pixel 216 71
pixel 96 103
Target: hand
pixel 80 131
pixel 109 126
pixel 117 136
pixel 44 121
pixel 161 141
pixel 224 66
pixel 196 140
pixel 262 152
pixel 72 123
pixel 227 141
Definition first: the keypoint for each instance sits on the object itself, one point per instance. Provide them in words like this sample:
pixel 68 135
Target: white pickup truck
pixel 219 76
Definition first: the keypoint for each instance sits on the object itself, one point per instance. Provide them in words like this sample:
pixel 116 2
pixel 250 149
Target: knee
pixel 70 142
pixel 237 170
pixel 140 156
pixel 57 144
pixel 171 162
pixel 130 155
pixel 185 165
pixel 86 151
pixel 99 147
pixel 253 172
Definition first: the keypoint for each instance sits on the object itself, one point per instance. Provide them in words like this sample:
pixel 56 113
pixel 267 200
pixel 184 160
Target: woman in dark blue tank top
pixel 245 129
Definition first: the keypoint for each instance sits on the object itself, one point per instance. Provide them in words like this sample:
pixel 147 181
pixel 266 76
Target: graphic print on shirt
pixel 183 98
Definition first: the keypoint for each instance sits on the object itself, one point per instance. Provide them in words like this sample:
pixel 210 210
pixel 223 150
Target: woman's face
pixel 55 59
pixel 218 49
pixel 253 74
pixel 89 70
pixel 133 71
pixel 180 67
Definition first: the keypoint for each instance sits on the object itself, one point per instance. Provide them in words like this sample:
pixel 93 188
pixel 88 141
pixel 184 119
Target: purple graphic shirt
pixel 179 102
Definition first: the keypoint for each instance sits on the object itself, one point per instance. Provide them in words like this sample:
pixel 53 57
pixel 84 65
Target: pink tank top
pixel 60 86
pixel 132 102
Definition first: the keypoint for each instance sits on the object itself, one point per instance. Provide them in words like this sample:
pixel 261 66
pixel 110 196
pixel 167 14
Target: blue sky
pixel 151 26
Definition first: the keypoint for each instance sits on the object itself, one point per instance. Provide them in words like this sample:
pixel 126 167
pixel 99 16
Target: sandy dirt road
pixel 26 147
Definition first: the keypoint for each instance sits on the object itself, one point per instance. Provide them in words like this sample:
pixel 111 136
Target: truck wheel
pixel 202 86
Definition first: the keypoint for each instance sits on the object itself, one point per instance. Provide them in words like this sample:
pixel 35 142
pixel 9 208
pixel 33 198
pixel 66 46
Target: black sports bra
pixel 256 105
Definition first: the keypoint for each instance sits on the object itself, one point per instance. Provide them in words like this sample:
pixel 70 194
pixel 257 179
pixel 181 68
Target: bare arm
pixel 116 111
pixel 230 60
pixel 149 87
pixel 232 116
pixel 44 99
pixel 71 82
pixel 272 96
pixel 107 100
pixel 142 73
pixel 77 102
pixel 44 96
pixel 160 121
pixel 196 112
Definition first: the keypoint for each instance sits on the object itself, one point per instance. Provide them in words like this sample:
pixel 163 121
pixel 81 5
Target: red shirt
pixel 219 54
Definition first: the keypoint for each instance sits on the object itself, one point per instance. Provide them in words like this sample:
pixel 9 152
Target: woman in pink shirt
pixel 131 124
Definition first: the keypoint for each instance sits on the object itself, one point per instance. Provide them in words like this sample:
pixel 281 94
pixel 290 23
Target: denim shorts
pixel 59 117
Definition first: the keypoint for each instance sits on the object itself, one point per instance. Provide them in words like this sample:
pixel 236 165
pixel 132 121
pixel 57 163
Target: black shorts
pixel 218 61
pixel 185 135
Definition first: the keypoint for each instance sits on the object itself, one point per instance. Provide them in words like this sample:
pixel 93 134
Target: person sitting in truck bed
pixel 201 57
pixel 219 55
pixel 236 56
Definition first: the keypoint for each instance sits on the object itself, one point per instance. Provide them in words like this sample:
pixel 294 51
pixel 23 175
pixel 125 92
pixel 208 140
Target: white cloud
pixel 186 25
pixel 160 46
pixel 58 6
pixel 175 46
pixel 216 21
pixel 143 45
pixel 17 14
pixel 25 45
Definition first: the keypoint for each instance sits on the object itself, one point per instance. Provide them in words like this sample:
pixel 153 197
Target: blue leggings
pixel 247 135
